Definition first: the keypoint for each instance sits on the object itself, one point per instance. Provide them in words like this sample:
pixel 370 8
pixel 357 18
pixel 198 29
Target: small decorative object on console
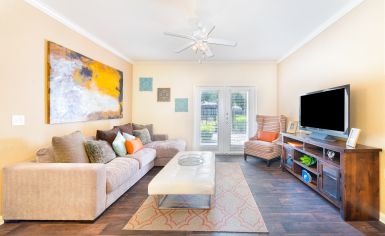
pixel 330 155
pixel 306 176
pixel 353 137
pixel 190 160
pixel 292 127
pixel 308 160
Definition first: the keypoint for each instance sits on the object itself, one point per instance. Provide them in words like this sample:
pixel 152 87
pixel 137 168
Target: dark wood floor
pixel 288 208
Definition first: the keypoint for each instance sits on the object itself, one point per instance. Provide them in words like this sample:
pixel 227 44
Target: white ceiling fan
pixel 200 40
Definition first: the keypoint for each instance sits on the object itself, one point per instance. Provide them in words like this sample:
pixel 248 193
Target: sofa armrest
pixel 54 191
pixel 159 137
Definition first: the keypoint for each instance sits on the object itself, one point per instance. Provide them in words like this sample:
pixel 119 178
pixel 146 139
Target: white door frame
pixel 223 133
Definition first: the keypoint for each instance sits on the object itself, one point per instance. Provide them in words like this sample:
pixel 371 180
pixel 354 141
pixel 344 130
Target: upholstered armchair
pixel 263 149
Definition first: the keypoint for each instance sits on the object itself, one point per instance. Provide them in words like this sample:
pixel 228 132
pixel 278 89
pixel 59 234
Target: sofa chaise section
pixel 166 149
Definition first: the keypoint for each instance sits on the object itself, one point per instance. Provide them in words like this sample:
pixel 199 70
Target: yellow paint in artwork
pixel 105 78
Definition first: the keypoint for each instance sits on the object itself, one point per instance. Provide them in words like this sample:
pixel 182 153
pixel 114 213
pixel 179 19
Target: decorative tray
pixel 190 160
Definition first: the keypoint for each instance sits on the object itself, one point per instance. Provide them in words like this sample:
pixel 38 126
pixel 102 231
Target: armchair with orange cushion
pixel 264 144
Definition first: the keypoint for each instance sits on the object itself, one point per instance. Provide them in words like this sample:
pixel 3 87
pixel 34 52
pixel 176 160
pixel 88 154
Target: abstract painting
pixel 181 104
pixel 82 89
pixel 164 94
pixel 145 84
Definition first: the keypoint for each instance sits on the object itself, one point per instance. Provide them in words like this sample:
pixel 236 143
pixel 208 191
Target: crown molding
pixel 321 28
pixel 54 14
pixel 205 62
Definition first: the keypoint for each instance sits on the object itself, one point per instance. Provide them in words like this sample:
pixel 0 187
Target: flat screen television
pixel 326 113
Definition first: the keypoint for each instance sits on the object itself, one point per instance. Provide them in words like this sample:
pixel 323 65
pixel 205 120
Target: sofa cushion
pixel 127 128
pixel 107 135
pixel 144 156
pixel 143 135
pixel 168 148
pixel 119 170
pixel 70 148
pixel 99 151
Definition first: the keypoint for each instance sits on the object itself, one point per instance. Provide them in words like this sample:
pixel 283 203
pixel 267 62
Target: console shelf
pixel 347 177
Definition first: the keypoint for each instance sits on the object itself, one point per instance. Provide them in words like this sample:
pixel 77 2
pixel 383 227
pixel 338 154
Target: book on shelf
pixel 295 144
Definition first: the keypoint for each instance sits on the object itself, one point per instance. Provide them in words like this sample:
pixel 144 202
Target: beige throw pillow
pixel 45 155
pixel 70 148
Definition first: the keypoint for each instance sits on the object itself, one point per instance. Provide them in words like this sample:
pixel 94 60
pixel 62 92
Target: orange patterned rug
pixel 233 209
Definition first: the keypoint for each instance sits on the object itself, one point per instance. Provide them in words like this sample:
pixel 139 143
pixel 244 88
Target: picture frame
pixel 164 94
pixel 292 127
pixel 353 137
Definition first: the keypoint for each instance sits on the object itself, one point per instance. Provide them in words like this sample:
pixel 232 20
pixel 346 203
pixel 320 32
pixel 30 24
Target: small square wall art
pixel 181 104
pixel 164 94
pixel 145 84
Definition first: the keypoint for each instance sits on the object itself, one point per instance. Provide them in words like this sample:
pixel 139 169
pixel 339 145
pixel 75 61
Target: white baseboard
pixel 382 217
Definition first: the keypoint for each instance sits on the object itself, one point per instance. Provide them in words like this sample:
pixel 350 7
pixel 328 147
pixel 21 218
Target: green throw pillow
pixel 128 136
pixel 99 151
pixel 119 145
pixel 143 135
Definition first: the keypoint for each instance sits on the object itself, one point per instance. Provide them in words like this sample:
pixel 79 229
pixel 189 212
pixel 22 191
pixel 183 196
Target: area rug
pixel 233 209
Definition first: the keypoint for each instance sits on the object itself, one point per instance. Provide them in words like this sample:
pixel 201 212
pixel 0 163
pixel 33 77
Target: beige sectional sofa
pixel 76 191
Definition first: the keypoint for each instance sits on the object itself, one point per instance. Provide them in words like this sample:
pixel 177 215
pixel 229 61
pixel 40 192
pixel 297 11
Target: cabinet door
pixel 330 181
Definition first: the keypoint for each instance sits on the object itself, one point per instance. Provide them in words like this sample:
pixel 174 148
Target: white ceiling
pixel 264 29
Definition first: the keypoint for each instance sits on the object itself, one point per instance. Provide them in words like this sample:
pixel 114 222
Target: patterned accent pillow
pixel 143 135
pixel 99 151
pixel 149 127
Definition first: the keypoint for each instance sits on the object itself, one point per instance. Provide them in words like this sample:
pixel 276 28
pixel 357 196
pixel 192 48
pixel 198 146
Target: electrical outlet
pixel 18 120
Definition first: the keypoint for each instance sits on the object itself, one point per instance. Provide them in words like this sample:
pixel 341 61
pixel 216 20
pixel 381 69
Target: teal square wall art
pixel 181 104
pixel 145 84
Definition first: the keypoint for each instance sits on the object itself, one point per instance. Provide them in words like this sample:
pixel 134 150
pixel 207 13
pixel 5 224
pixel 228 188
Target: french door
pixel 224 118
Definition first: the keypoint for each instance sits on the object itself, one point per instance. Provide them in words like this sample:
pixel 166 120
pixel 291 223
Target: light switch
pixel 18 120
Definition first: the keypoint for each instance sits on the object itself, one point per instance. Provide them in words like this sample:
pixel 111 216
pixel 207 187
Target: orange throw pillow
pixel 133 146
pixel 267 136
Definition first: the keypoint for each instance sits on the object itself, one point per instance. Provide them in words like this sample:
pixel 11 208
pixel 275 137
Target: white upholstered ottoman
pixel 177 186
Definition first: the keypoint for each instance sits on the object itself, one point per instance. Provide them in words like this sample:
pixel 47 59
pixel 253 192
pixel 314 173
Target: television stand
pixel 322 136
pixel 347 177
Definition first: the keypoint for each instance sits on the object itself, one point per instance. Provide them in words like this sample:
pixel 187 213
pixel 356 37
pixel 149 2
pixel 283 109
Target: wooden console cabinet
pixel 349 180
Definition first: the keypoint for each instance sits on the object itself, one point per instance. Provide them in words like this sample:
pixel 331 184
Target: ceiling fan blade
pixel 185 47
pixel 185 36
pixel 208 52
pixel 210 30
pixel 223 42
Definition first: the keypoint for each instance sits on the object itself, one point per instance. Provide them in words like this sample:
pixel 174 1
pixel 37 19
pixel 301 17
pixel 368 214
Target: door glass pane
pixel 209 118
pixel 239 117
pixel 330 183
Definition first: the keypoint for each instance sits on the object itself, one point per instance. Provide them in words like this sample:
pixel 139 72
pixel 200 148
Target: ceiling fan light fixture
pixel 200 41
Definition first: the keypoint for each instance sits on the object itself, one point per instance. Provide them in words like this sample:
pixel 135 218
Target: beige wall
pixel 24 31
pixel 349 52
pixel 183 77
